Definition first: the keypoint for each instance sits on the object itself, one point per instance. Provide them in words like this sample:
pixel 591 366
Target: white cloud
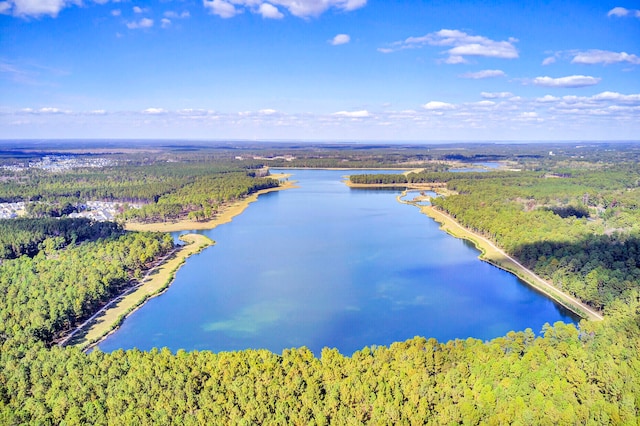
pixel 462 44
pixel 269 11
pixel 308 8
pixel 137 9
pixel 352 114
pixel 569 81
pixel 165 23
pixel 155 111
pixel 142 23
pixel 221 8
pixel 618 11
pixel 116 12
pixel 603 57
pixel 437 105
pixel 50 110
pixel 549 60
pixel 299 8
pixel 614 96
pixel 496 95
pixel 45 111
pixel 35 8
pixel 607 115
pixel 340 39
pixel 593 56
pixel 483 74
pixel 455 59
pixel 547 99
pixel 621 11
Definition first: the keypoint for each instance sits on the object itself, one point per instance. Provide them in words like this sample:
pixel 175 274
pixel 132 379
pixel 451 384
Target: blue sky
pixel 336 70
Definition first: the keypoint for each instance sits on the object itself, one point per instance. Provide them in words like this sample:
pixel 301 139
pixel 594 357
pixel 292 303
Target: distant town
pixel 99 211
pixel 61 163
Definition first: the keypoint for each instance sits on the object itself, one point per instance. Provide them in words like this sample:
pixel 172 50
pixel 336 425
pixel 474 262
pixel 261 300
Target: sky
pixel 320 70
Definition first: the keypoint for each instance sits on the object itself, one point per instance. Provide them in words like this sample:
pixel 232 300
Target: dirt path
pixel 79 328
pixel 154 282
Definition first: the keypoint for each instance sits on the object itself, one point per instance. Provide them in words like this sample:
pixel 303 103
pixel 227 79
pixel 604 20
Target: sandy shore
pixel 226 215
pixel 156 281
pixel 496 256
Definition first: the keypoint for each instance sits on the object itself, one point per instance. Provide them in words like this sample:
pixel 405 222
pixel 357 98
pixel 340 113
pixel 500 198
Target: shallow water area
pixel 326 265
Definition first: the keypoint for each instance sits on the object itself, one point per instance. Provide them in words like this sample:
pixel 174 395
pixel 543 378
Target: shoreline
pixel 155 282
pixel 412 186
pixel 494 255
pixel 109 318
pixel 225 216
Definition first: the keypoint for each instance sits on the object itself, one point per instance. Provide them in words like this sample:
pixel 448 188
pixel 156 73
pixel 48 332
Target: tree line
pixel 567 375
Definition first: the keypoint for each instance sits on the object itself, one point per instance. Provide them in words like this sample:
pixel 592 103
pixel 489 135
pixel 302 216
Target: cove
pixel 326 265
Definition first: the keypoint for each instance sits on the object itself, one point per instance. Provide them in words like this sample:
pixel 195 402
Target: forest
pixel 573 220
pixel 166 191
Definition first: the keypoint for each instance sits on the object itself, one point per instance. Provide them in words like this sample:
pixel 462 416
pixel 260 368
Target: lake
pixel 327 265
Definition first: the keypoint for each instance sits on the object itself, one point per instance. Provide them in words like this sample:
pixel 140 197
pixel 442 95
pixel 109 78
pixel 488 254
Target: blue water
pixel 326 265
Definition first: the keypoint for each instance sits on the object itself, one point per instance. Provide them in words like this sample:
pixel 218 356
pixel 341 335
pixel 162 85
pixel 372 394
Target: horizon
pixel 336 71
pixel 319 141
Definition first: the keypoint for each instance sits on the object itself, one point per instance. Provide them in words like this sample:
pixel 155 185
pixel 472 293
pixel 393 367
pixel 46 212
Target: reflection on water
pixel 324 265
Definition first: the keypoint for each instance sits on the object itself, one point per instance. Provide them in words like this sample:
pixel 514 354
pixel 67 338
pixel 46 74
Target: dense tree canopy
pixel 29 236
pixel 577 225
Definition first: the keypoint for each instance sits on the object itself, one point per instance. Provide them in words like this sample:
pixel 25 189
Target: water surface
pixel 326 265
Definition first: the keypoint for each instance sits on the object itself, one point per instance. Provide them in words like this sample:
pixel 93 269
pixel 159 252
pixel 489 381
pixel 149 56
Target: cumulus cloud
pixel 615 96
pixel 155 111
pixel 340 39
pixel 483 74
pixel 352 114
pixel 299 8
pixel 605 115
pixel 437 106
pixel 50 110
pixel 45 111
pixel 547 99
pixel 138 9
pixel 496 95
pixel 462 45
pixel 308 8
pixel 165 23
pixel 221 8
pixel 269 11
pixel 621 11
pixel 606 57
pixel 35 8
pixel 569 81
pixel 592 57
pixel 116 12
pixel 142 23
